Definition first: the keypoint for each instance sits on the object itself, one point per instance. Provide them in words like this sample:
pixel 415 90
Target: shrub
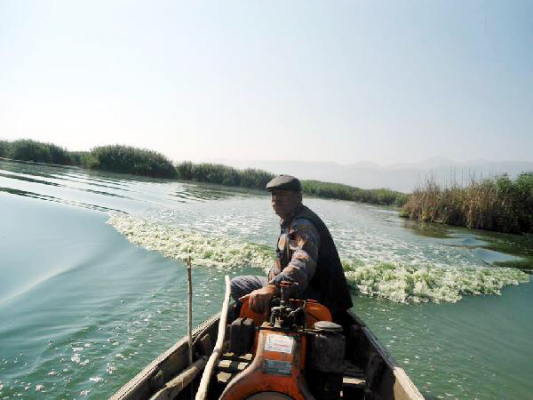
pixel 125 159
pixel 78 158
pixel 59 155
pixel 206 172
pixel 255 178
pixel 31 150
pixel 4 148
pixel 223 175
pixel 184 170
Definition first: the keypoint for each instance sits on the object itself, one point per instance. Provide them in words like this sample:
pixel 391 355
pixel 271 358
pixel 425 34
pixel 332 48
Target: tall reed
pixel 498 203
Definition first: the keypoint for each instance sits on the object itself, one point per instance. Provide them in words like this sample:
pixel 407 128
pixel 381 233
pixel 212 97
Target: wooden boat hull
pixel 371 372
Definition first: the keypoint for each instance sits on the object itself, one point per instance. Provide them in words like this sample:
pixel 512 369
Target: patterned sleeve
pixel 304 241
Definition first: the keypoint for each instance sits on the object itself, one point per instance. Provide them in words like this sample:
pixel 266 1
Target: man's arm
pixel 260 298
pixel 304 241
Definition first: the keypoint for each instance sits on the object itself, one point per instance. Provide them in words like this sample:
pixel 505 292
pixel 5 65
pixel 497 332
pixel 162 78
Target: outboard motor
pixel 298 353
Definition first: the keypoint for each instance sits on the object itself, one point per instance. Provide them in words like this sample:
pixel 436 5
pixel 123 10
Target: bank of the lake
pixel 148 163
pixel 93 287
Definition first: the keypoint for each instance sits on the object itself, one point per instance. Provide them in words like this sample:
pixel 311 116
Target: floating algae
pixel 410 283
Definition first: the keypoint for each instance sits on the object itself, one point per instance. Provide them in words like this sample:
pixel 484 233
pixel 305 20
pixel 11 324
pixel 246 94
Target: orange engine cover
pixel 276 368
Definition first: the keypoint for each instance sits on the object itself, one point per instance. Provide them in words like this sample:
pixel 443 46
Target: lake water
pixel 92 287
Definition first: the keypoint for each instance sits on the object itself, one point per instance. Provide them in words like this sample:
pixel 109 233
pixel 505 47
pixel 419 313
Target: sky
pixel 343 81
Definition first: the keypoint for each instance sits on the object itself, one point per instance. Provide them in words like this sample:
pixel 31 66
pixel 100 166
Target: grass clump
pixel 497 204
pixel 130 160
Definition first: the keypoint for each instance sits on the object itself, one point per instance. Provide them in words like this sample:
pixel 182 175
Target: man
pixel 305 255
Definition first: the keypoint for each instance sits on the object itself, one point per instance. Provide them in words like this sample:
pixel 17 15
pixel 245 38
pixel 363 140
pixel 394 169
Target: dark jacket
pixel 328 284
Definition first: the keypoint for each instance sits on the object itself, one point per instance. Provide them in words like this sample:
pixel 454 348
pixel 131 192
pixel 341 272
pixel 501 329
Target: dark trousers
pixel 243 285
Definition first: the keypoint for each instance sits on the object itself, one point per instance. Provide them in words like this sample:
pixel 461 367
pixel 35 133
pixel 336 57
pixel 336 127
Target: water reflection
pixel 28 179
pixel 492 248
pixel 31 195
pixel 51 183
pixel 101 191
pixel 201 194
pixel 427 229
pixel 107 308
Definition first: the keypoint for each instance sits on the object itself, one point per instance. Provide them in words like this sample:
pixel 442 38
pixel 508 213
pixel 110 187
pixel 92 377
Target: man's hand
pixel 260 298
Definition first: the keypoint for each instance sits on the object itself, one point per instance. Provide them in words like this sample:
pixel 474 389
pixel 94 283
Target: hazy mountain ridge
pixel 404 177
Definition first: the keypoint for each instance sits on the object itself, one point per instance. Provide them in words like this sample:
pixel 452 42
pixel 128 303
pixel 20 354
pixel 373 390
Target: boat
pixel 248 357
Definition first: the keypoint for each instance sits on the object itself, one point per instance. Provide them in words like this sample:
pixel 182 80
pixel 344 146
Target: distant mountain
pixel 365 164
pixel 430 163
pixel 403 177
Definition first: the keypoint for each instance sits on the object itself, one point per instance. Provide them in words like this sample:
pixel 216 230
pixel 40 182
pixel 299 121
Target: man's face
pixel 284 202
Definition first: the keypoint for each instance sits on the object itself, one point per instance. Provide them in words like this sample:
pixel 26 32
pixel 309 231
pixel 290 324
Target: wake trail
pixel 415 282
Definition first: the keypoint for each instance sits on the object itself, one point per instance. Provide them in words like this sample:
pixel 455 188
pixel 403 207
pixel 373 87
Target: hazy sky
pixel 329 80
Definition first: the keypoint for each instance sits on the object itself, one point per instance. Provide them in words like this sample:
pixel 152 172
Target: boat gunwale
pixel 408 388
pixel 398 372
pixel 151 369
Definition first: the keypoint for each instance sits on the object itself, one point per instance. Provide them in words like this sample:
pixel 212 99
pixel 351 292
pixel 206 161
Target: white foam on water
pixel 429 283
pixel 412 282
pixel 211 251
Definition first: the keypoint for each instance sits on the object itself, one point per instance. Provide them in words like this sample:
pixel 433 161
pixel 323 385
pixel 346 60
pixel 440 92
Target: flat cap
pixel 284 182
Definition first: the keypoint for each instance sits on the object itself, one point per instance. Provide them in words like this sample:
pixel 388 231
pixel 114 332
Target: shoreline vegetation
pixel 148 163
pixel 498 203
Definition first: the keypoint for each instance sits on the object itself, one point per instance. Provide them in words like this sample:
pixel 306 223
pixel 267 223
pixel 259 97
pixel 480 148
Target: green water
pixel 93 288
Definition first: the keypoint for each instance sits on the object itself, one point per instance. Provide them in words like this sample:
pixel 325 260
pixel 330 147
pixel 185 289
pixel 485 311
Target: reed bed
pixel 223 175
pixel 497 204
pixel 345 192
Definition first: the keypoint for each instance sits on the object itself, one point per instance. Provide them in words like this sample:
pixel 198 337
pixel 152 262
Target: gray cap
pixel 284 182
